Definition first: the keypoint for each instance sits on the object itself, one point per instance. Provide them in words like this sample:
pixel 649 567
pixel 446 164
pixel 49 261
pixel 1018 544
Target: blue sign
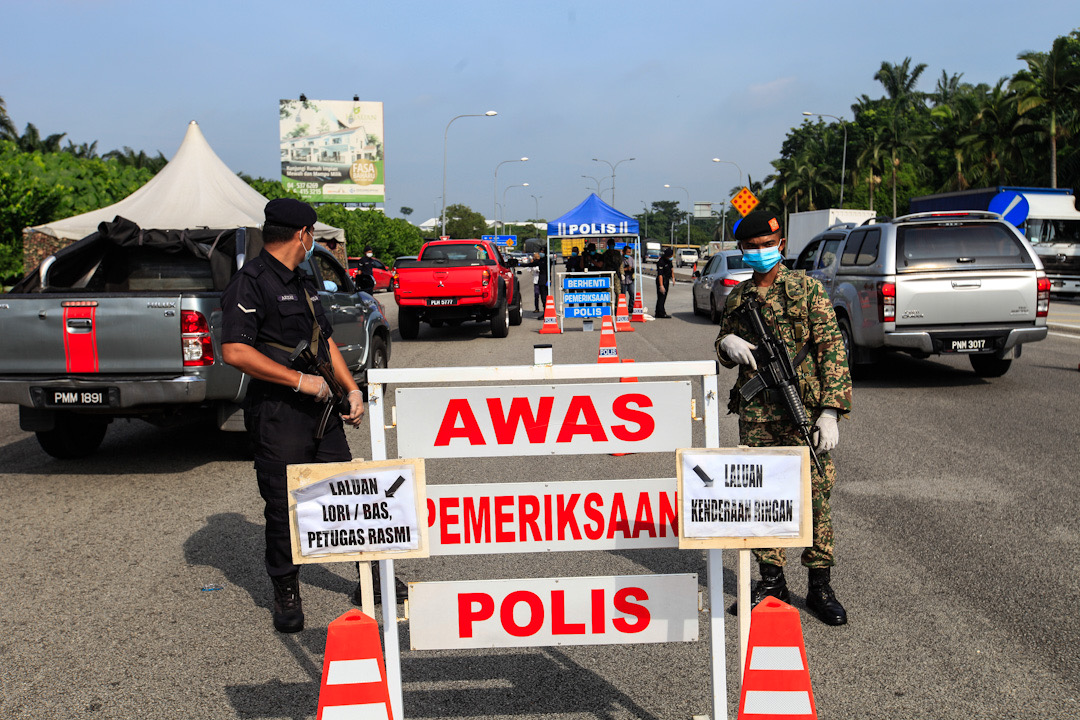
pixel 1012 206
pixel 586 283
pixel 586 312
pixel 502 240
pixel 587 297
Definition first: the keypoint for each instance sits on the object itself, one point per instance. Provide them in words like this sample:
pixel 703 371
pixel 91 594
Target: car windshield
pixel 948 247
pixel 1053 231
pixel 735 262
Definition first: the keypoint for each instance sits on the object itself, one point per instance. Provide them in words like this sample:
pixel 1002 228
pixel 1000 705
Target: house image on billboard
pixel 337 147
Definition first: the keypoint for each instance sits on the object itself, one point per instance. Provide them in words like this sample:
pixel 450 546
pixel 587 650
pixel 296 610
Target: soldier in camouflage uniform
pixel 798 310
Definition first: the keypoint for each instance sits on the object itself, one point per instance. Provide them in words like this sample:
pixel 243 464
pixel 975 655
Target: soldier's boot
pixel 288 610
pixel 772 584
pixel 401 590
pixel 821 601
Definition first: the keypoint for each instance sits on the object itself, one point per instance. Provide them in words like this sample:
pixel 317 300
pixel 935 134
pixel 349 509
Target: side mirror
pixel 365 282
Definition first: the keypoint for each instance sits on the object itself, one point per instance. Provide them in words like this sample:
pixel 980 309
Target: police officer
pixel 798 309
pixel 613 264
pixel 267 309
pixel 573 263
pixel 367 263
pixel 665 272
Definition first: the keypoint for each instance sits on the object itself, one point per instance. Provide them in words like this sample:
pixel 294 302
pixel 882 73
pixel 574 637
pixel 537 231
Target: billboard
pixel 332 150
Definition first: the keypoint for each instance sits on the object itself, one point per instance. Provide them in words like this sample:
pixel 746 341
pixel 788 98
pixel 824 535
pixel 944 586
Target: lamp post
pixel 495 190
pixel 590 177
pixel 843 161
pixel 489 113
pixel 508 187
pixel 688 214
pixel 613 174
pixel 730 162
pixel 723 207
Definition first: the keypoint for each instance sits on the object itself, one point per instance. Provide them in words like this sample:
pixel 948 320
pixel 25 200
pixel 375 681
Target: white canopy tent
pixel 194 190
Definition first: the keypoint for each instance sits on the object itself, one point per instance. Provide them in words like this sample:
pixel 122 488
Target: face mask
pixel 308 251
pixel 762 260
pixel 573 254
pixel 368 254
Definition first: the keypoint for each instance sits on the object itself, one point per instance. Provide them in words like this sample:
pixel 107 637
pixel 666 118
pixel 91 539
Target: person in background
pixel 367 262
pixel 665 272
pixel 539 264
pixel 628 273
pixel 613 264
pixel 573 263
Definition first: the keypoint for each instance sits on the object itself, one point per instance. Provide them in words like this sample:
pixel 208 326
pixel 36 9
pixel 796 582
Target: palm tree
pixel 900 81
pixel 7 125
pixel 1051 81
pixel 870 159
pixel 30 141
pixel 992 144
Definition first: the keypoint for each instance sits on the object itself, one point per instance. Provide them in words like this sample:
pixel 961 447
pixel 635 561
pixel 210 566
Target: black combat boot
pixel 400 588
pixel 772 584
pixel 821 601
pixel 288 611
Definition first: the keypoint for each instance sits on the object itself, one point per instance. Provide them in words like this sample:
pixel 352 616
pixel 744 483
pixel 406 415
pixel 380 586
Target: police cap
pixel 756 224
pixel 290 213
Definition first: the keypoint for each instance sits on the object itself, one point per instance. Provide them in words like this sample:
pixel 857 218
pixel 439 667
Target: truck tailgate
pixel 47 334
pixel 983 297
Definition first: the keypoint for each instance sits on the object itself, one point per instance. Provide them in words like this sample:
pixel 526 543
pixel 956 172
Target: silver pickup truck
pixel 933 283
pixel 126 323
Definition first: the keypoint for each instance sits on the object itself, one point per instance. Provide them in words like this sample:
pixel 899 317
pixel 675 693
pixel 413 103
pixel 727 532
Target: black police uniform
pixel 663 270
pixel 265 303
pixel 366 266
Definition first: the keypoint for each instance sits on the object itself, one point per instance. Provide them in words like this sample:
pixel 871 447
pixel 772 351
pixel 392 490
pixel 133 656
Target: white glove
pixel 313 385
pixel 739 350
pixel 828 434
pixel 356 408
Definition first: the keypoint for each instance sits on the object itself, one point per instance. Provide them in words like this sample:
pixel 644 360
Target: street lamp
pixel 598 190
pixel 489 113
pixel 730 162
pixel 508 187
pixel 723 206
pixel 613 174
pixel 687 214
pixel 495 189
pixel 843 162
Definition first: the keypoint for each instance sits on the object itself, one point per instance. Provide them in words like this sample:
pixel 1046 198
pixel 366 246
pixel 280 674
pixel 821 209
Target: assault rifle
pixel 775 371
pixel 339 399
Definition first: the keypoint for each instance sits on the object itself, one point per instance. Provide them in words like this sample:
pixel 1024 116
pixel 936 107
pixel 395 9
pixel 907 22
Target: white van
pixel 685 256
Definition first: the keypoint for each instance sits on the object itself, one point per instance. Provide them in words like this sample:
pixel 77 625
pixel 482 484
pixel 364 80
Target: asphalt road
pixel 134 584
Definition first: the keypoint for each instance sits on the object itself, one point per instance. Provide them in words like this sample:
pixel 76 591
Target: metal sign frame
pixel 377 422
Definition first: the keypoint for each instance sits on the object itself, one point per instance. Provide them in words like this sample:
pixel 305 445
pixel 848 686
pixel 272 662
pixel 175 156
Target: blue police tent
pixel 593 218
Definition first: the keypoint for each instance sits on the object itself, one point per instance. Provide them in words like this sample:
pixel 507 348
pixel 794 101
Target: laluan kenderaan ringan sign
pixel 357 511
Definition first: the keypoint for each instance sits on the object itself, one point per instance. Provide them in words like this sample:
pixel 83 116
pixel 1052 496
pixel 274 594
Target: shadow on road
pixel 903 371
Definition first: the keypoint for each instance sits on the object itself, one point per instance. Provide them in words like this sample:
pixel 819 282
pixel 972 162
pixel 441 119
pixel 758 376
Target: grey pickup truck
pixel 126 324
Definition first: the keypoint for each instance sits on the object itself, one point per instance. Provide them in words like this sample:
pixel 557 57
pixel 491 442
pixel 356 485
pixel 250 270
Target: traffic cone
pixel 776 680
pixel 551 322
pixel 609 352
pixel 354 676
pixel 622 316
pixel 639 309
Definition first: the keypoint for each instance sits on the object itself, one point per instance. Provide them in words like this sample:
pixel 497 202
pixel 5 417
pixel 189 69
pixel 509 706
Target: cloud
pixel 770 94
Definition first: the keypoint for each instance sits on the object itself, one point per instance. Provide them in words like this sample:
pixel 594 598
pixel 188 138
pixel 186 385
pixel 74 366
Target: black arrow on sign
pixel 703 475
pixel 393 488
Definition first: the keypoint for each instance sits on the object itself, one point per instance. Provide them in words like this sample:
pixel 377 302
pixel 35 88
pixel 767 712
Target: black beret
pixel 756 224
pixel 290 213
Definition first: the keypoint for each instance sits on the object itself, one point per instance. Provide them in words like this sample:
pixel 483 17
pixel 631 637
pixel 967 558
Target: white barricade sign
pixel 496 518
pixel 553 611
pixel 744 497
pixel 543 419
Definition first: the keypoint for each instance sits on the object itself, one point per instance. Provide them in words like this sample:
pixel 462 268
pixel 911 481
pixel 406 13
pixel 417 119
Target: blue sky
pixel 670 84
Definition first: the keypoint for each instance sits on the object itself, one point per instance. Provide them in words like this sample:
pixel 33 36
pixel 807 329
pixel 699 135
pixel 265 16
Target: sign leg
pixel 716 632
pixel 743 583
pixel 391 651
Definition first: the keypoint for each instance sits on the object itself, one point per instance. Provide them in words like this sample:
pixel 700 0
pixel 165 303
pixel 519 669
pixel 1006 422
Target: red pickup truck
pixel 456 280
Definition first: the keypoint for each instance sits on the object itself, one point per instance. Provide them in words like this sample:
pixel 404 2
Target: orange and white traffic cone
pixel 639 309
pixel 551 321
pixel 354 675
pixel 776 680
pixel 622 316
pixel 609 352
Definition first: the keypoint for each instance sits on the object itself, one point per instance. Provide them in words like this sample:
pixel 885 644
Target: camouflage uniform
pixel 797 309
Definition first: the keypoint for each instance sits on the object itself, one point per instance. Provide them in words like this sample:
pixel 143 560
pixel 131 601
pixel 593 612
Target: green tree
pixel 899 82
pixel 464 223
pixel 994 138
pixel 130 158
pixel 31 140
pixel 406 211
pixel 269 189
pixel 7 125
pixel 388 237
pixel 1051 81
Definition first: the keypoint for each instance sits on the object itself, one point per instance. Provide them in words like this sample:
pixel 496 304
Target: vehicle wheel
pixel 408 324
pixel 379 357
pixel 74 436
pixel 989 366
pixel 515 311
pixel 693 301
pixel 714 314
pixel 850 348
pixel 500 321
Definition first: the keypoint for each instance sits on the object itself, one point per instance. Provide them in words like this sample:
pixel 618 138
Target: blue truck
pixel 1051 224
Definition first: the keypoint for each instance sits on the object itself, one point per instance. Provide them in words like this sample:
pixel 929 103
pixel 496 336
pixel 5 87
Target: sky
pixel 671 85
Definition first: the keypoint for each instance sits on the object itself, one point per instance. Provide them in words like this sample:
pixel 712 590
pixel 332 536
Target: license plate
pixel 442 301
pixel 962 346
pixel 1058 283
pixel 84 397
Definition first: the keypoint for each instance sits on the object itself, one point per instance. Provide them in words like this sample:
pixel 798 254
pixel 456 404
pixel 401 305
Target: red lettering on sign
pixel 536 613
pixel 618 520
pixel 502 517
pixel 595 531
pixel 477 521
pixel 566 516
pixel 559 626
pixel 598 607
pixel 455 409
pixel 668 518
pixel 529 509
pixel 473 607
pixel 644 519
pixel 581 406
pixel 448 513
pixel 536 426
pixel 623 605
pixel 622 410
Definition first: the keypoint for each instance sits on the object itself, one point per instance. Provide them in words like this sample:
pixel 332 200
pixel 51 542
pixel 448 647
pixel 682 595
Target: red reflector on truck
pixel 887 304
pixel 1042 296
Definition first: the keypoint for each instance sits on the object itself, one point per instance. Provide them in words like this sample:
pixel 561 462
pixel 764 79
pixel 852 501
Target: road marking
pixel 1065 335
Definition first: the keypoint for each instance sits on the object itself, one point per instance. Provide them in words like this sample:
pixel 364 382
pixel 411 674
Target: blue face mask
pixel 762 260
pixel 308 251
